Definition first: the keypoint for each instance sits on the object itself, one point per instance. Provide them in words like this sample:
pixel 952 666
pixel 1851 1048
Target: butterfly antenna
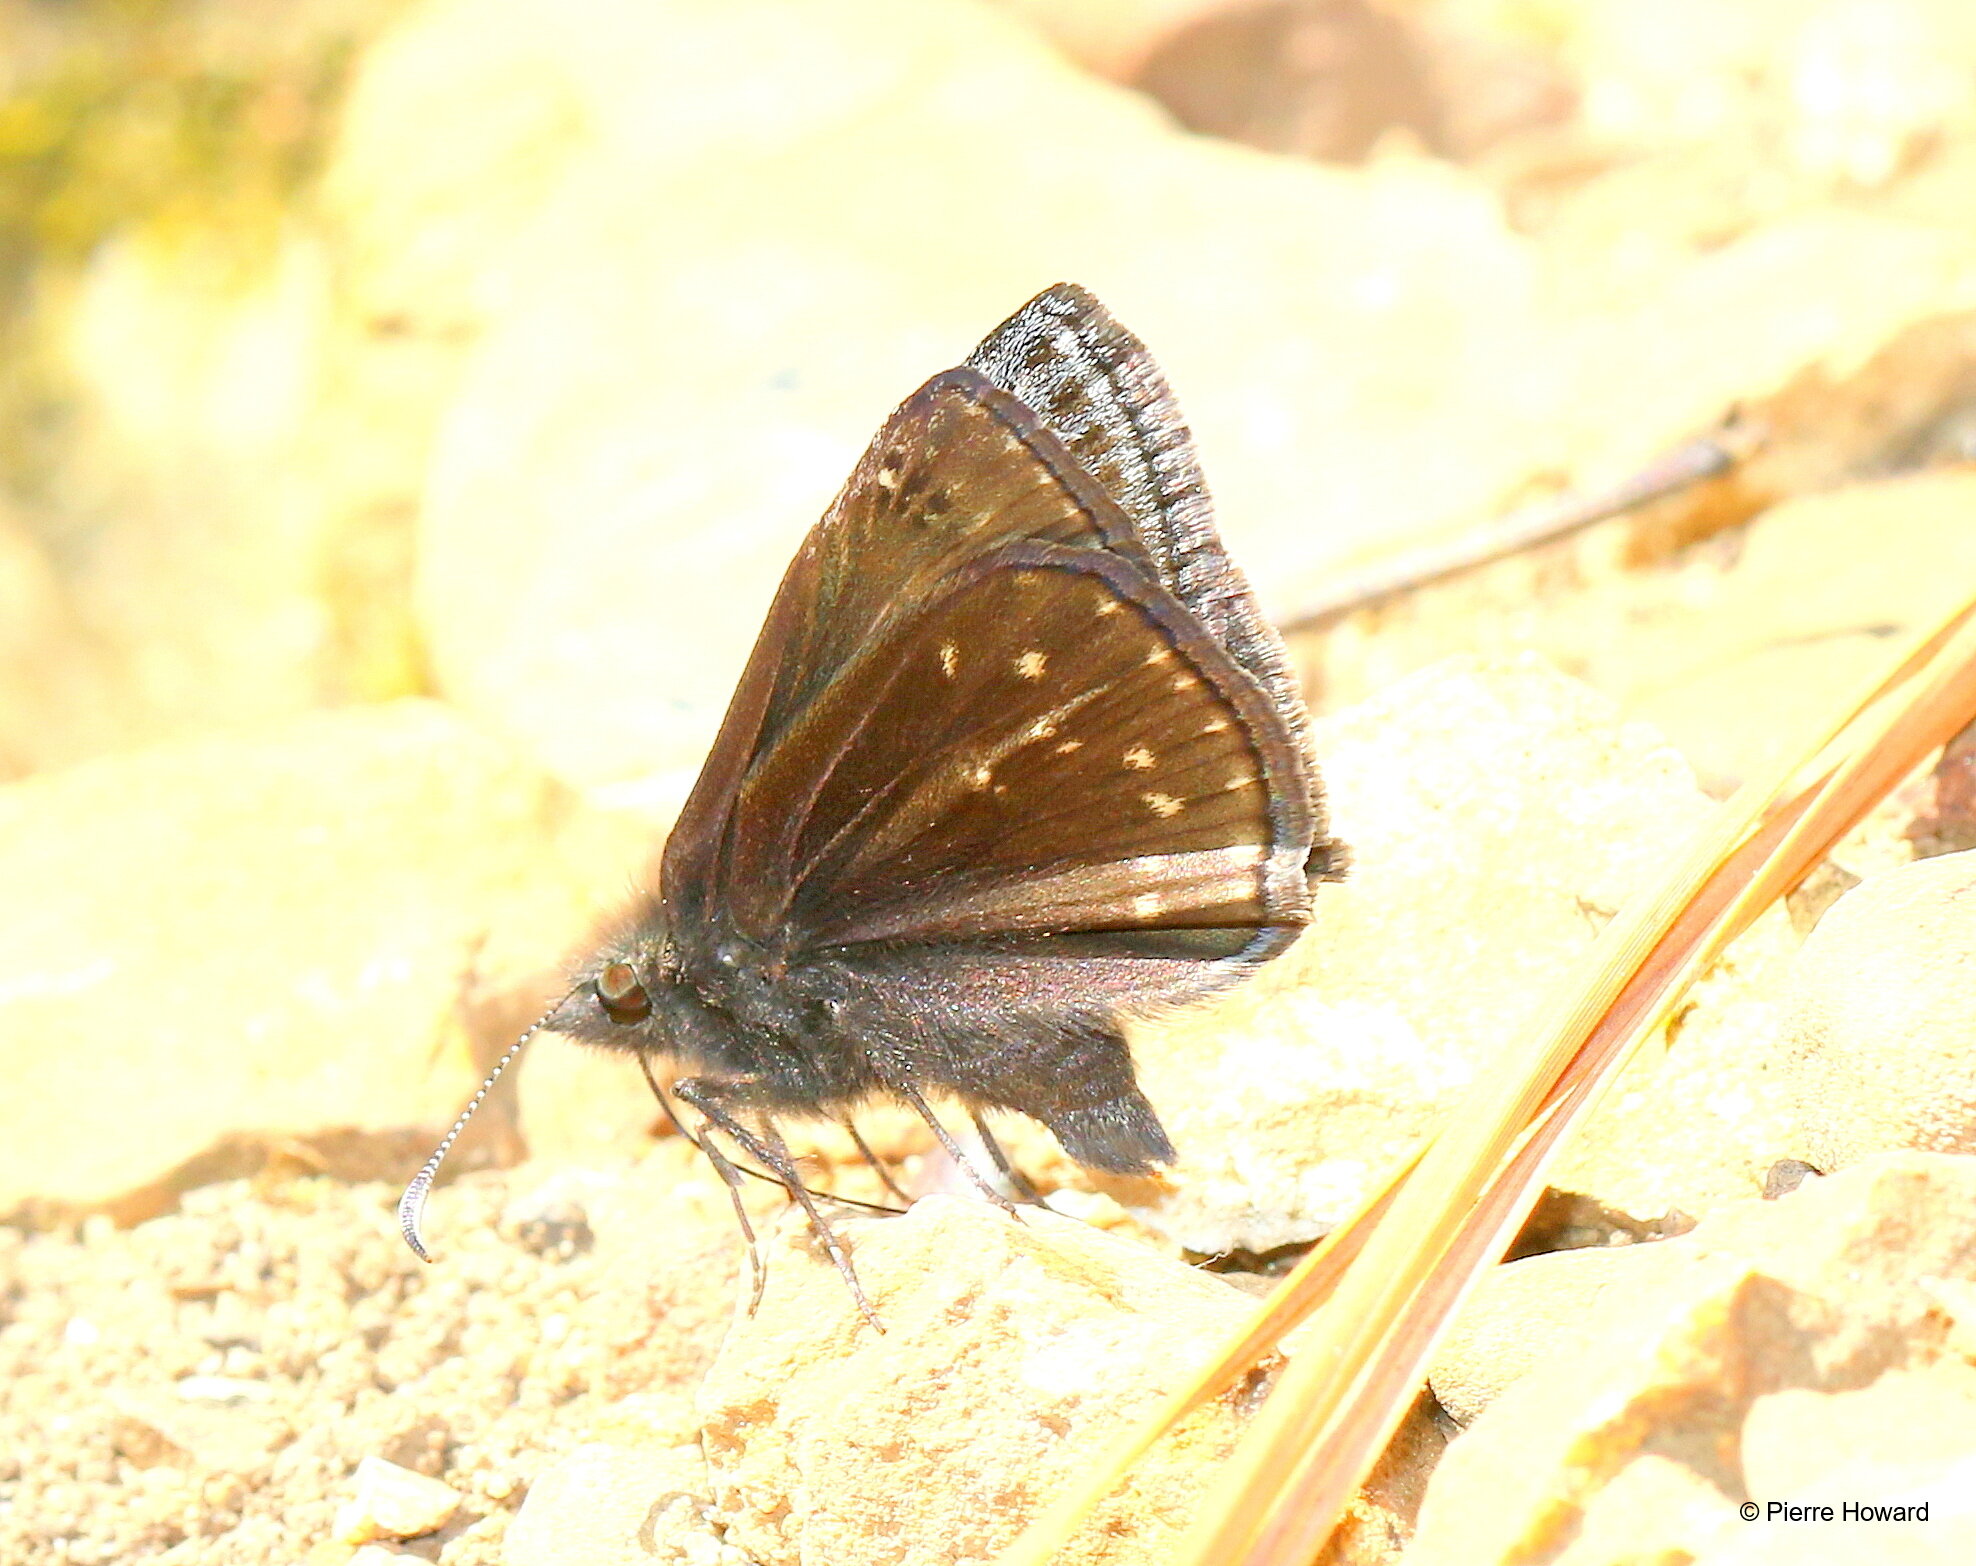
pixel 411 1206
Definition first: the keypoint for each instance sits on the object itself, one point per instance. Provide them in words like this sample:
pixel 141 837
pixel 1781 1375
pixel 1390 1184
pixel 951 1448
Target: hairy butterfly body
pixel 1015 755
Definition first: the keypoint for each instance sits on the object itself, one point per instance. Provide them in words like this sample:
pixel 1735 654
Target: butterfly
pixel 1016 757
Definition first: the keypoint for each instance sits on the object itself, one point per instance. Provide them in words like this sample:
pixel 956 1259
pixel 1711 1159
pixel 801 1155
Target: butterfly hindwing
pixel 1052 745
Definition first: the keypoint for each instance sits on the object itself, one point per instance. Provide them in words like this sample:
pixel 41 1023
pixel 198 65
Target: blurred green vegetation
pixel 126 116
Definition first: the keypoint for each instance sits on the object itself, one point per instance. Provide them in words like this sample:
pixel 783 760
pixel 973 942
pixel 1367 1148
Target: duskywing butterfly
pixel 1016 754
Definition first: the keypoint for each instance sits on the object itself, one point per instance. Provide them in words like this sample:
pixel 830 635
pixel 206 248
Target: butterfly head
pixel 621 996
pixel 625 998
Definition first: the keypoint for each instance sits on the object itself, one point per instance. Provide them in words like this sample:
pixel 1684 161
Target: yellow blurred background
pixel 502 350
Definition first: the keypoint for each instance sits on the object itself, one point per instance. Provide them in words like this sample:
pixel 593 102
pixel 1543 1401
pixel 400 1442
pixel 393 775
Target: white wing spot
pixel 888 477
pixel 1162 805
pixel 1030 665
pixel 1107 606
pixel 1184 682
pixel 950 659
pixel 1160 655
pixel 1240 780
pixel 1146 904
pixel 1138 758
pixel 981 777
pixel 1214 726
pixel 1068 746
pixel 1042 728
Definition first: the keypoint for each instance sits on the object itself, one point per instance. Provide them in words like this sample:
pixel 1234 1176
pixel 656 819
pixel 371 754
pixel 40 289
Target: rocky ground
pixel 405 410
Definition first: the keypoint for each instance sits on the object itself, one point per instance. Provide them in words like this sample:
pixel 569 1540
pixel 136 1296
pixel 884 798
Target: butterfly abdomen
pixel 1003 1032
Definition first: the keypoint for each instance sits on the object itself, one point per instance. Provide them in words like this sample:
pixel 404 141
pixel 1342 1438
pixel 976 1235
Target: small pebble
pixel 394 1502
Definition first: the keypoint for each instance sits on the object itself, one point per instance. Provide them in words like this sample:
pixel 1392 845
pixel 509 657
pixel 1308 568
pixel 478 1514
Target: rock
pixel 1736 647
pixel 306 943
pixel 1333 81
pixel 51 682
pixel 606 1505
pixel 394 1502
pixel 1014 1352
pixel 585 1106
pixel 156 1428
pixel 1863 89
pixel 1945 819
pixel 194 380
pixel 1703 1113
pixel 1782 639
pixel 1529 1312
pixel 381 1555
pixel 1881 1036
pixel 173 333
pixel 1497 815
pixel 1111 37
pixel 687 403
pixel 1795 1351
pixel 254 431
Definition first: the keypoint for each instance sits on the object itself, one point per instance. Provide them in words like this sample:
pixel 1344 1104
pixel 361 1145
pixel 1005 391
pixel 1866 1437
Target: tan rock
pixel 1014 1351
pixel 195 604
pixel 582 1105
pixel 1796 1350
pixel 381 1555
pixel 1861 88
pixel 606 1505
pixel 393 1502
pixel 681 440
pixel 1497 815
pixel 1798 1441
pixel 1807 618
pixel 1881 1033
pixel 1532 1311
pixel 174 325
pixel 51 681
pixel 255 425
pixel 1655 1498
pixel 156 1428
pixel 306 943
pixel 1110 37
pixel 1734 651
pixel 1704 1111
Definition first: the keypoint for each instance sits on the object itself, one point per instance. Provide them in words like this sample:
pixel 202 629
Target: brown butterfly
pixel 1016 755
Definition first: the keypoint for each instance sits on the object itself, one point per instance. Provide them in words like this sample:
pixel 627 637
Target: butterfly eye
pixel 622 996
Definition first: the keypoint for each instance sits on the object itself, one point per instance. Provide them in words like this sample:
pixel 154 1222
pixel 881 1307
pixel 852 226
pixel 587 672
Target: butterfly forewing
pixel 1097 388
pixel 960 467
pixel 948 732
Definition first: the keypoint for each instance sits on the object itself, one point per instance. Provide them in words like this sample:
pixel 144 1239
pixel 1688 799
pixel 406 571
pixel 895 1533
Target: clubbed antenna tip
pixel 411 1206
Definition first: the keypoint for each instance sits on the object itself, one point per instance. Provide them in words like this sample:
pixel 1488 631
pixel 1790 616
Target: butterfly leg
pixel 757 1269
pixel 730 1176
pixel 1018 1181
pixel 913 1096
pixel 884 1174
pixel 712 1099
